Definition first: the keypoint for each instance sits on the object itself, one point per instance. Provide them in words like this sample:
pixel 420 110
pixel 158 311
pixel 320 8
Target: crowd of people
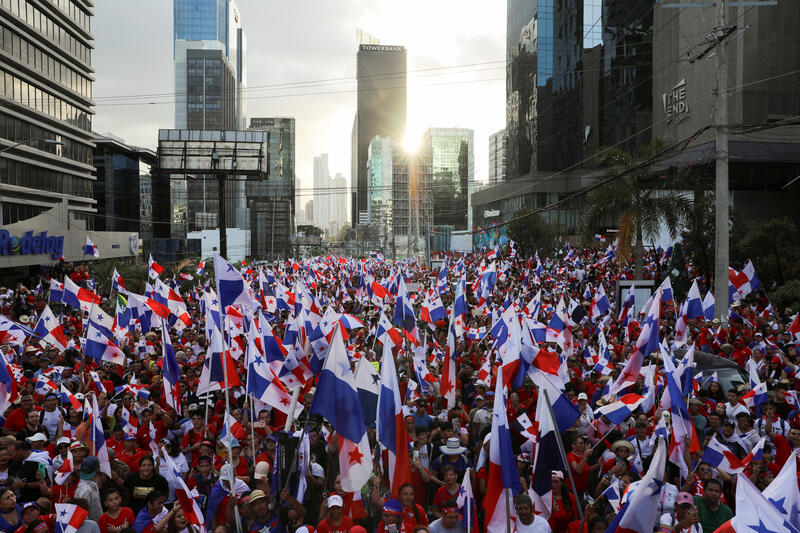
pixel 238 456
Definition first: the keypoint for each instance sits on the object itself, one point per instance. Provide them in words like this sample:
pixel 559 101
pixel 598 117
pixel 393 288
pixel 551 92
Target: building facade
pixel 322 190
pixel 452 157
pixel 46 117
pixel 209 24
pixel 497 157
pixel 271 202
pixel 381 111
pixel 124 186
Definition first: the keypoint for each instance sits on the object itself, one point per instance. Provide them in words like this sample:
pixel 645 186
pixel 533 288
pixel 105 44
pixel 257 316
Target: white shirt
pixel 539 525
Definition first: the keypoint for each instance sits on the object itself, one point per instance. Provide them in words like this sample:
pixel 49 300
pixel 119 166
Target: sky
pixel 456 65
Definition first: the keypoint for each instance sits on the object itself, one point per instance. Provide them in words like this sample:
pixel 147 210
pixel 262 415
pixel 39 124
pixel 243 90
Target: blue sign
pixel 30 244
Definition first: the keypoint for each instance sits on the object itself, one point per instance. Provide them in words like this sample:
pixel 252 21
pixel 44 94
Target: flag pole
pixel 564 455
pixel 469 505
pixel 508 511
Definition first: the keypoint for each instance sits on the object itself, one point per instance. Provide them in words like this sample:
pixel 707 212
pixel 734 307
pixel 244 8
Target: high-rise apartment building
pixel 271 203
pixel 497 157
pixel 452 159
pixel 381 111
pixel 338 206
pixel 46 113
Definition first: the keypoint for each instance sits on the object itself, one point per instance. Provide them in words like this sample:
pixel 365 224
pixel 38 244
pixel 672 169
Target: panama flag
pixel 755 512
pixel 448 381
pixel 546 459
pixel 201 267
pixel 432 310
pixel 117 283
pixel 101 348
pixel 68 397
pixel 189 506
pixel 45 385
pixel 368 385
pixel 78 297
pixel 56 291
pixel 12 332
pixel 708 305
pixel 600 304
pixel 90 249
pixel 640 511
pixel 503 475
pixel 49 330
pixel 720 456
pixel 645 345
pixel 64 471
pixel 618 411
pixel 628 306
pixel 232 287
pixel 98 438
pixel 337 400
pixel 262 381
pixel 153 269
pixel 694 302
pixel 783 492
pixel 613 494
pixel 69 517
pixel 466 504
pixel 170 371
pixel 231 429
pixel 391 427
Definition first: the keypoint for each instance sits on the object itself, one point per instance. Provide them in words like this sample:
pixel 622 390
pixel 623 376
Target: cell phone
pixel 42 470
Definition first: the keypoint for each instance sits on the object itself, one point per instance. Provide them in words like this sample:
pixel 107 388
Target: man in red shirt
pixel 16 419
pixel 131 454
pixel 162 422
pixel 335 522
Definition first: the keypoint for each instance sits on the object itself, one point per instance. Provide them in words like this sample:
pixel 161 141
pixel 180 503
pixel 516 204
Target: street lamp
pixel 26 142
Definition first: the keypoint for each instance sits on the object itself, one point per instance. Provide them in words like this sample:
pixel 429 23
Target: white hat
pixel 317 470
pixel 583 396
pixel 335 501
pixel 37 437
pixel 226 472
pixel 63 440
pixel 262 470
pixel 453 447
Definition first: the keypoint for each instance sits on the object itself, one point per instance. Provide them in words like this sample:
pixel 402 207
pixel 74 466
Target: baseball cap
pixel 262 470
pixel 37 437
pixel 317 470
pixel 62 440
pixel 335 501
pixel 583 396
pixel 393 507
pixel 235 443
pixel 226 472
pixel 558 473
pixel 89 467
pixel 684 498
pixel 479 397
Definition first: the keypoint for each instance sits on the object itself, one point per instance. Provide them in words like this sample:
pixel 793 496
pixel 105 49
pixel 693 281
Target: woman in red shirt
pixel 577 459
pixel 564 509
pixel 116 518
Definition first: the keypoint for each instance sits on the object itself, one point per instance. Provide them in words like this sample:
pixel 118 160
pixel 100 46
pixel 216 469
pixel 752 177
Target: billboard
pixel 209 151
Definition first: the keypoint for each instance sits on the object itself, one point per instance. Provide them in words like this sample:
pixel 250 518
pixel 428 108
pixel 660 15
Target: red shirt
pixel 581 479
pixel 344 527
pixel 125 515
pixel 16 419
pixel 411 519
pixel 143 433
pixel 132 461
pixel 443 495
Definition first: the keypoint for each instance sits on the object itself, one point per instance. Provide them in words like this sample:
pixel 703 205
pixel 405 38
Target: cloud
pixel 312 41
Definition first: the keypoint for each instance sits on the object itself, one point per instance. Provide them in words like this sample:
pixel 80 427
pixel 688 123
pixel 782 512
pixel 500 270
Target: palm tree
pixel 643 207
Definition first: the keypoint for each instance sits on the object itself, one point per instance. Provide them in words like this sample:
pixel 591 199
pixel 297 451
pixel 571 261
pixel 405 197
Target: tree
pixel 774 248
pixel 643 207
pixel 309 230
pixel 531 233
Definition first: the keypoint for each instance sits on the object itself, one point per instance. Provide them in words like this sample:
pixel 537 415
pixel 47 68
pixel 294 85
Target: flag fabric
pixel 153 269
pixel 547 459
pixel 694 302
pixel 708 306
pixel 613 494
pixel 754 512
pixel 186 501
pixel 783 492
pixel 12 332
pixel 368 386
pixel 263 383
pixel 102 348
pixel 78 297
pixel 97 436
pixel 69 517
pixel 600 304
pixel 645 345
pixel 56 293
pixel 90 249
pixel 621 409
pixel 50 330
pixel 171 372
pixel 231 286
pixel 503 473
pixel 337 400
pixel 466 504
pixel 720 456
pixel 640 511
pixel 390 424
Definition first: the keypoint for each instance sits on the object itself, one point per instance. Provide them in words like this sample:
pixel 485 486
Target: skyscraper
pixel 46 118
pixel 544 50
pixel 497 157
pixel 451 153
pixel 271 203
pixel 322 190
pixel 208 25
pixel 381 110
pixel 339 200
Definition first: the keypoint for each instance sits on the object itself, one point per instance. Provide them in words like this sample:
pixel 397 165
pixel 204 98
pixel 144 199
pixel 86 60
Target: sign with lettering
pixel 675 103
pixel 489 213
pixel 380 48
pixel 30 244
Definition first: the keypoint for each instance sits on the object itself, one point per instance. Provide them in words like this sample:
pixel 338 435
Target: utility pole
pixel 717 43
pixel 722 255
